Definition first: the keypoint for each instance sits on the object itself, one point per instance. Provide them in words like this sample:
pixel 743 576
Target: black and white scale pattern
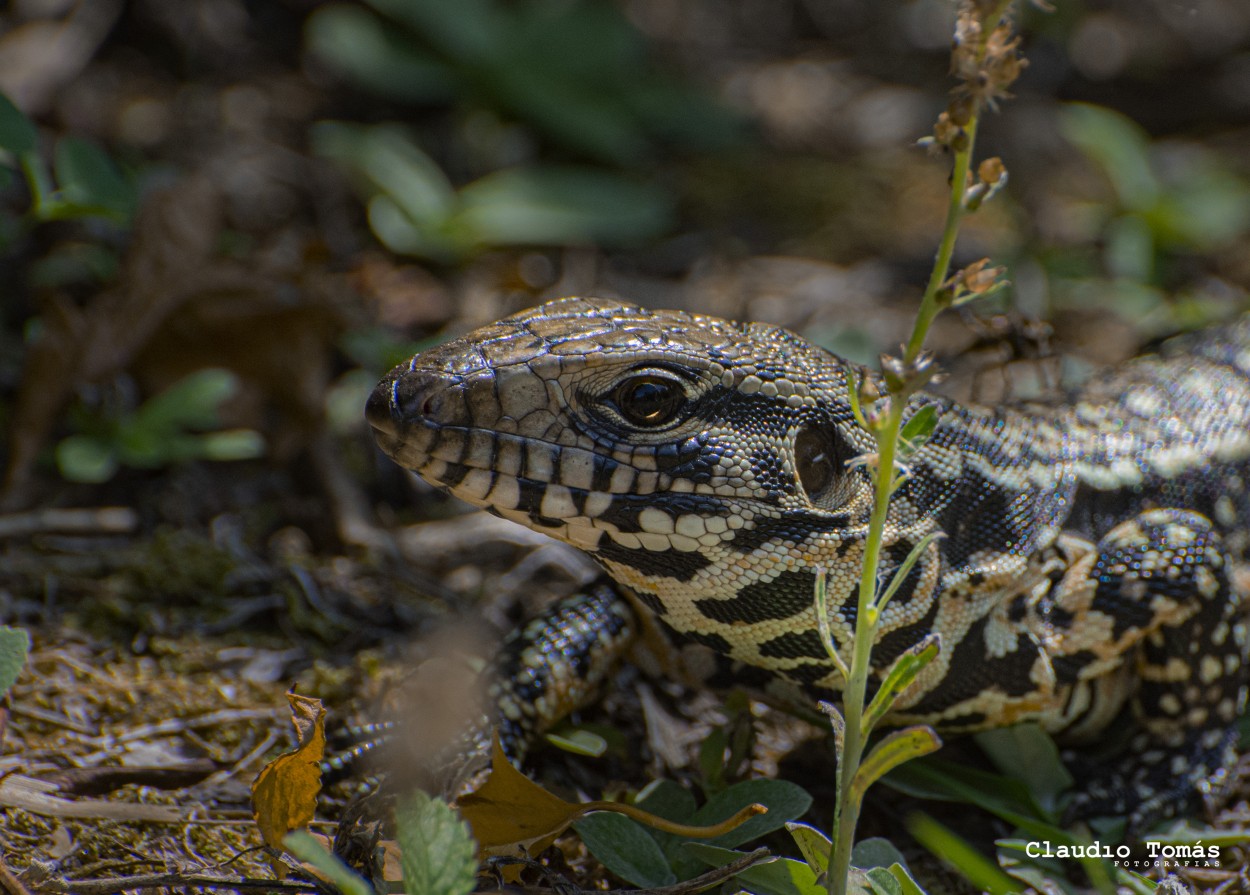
pixel 1093 552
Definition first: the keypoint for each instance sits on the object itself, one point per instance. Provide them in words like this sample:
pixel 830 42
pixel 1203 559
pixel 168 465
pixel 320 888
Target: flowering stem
pixel 887 432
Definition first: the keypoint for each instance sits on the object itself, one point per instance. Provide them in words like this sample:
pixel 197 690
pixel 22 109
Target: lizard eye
pixel 649 400
pixel 817 461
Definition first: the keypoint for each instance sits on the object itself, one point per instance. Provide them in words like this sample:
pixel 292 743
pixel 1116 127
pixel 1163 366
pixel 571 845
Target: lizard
pixel 1090 569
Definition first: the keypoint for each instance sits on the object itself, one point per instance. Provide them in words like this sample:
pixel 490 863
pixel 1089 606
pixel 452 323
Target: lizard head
pixel 704 463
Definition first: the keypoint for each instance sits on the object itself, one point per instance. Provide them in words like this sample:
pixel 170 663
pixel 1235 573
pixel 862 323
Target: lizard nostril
pixel 378 409
pixel 416 396
pixel 408 397
pixel 428 397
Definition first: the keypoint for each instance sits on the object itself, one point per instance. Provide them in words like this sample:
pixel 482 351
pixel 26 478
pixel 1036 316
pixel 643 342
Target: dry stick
pixel 165 880
pixel 847 809
pixel 10 884
pixel 95 520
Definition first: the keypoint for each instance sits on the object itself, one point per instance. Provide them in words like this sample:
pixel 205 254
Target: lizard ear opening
pixel 819 464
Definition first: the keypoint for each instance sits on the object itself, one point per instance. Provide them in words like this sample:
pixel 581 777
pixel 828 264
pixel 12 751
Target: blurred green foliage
pixel 577 79
pixel 166 429
pixel 415 210
pixel 83 182
pixel 1168 201
pixel 576 70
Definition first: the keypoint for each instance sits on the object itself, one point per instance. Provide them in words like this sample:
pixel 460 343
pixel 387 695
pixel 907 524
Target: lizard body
pixel 1090 565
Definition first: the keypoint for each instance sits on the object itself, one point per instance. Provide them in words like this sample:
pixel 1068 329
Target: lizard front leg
pixel 554 664
pixel 557 663
pixel 1150 620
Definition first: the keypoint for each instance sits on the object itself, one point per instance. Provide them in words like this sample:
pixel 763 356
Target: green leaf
pixel 378 56
pixel 385 160
pixel 820 597
pixel 837 723
pixel 17 133
pixel 900 574
pixel 1130 248
pixel 813 844
pixel 14 647
pixel 86 458
pixel 403 236
pixel 596 124
pixel 909 885
pixel 897 747
pixel 1119 146
pixel 149 446
pixel 882 882
pixel 472 31
pixel 918 430
pixel 955 852
pixel 1000 796
pixel 578 741
pixel 876 852
pixel 784 876
pixel 231 445
pixel 669 800
pixel 899 678
pixel 625 848
pixel 308 849
pixel 953 782
pixel 712 760
pixel 1042 874
pixel 1207 207
pixel 1027 753
pixel 785 801
pixel 190 403
pixel 561 206
pixel 437 851
pixel 90 181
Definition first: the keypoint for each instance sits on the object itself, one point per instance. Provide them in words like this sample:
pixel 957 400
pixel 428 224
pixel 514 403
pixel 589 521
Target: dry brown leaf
pixel 284 795
pixel 510 813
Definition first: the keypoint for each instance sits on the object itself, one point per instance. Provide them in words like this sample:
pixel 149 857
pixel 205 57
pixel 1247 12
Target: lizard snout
pixel 408 397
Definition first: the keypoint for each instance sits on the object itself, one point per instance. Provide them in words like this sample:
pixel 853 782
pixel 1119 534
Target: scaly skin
pixel 1090 564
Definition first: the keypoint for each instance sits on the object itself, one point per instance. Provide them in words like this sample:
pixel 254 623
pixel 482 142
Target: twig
pixel 92 520
pixel 56 719
pixel 253 754
pixel 177 725
pixel 10 884
pixel 144 882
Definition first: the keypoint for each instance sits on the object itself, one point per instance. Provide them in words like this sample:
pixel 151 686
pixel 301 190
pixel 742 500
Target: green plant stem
pixel 853 697
pixel 867 614
pixel 929 305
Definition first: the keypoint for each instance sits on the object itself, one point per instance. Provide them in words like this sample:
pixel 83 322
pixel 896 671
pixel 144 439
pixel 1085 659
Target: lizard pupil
pixel 814 454
pixel 649 400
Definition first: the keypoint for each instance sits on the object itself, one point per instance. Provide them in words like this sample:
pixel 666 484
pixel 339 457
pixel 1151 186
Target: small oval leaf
pixel 626 849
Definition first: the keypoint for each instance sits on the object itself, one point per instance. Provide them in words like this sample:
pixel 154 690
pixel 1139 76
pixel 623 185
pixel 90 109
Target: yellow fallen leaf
pixel 510 813
pixel 284 794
